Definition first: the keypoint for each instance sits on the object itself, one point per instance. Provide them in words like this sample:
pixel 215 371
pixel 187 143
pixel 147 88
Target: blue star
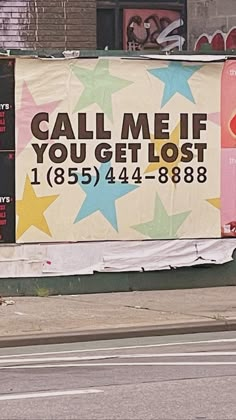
pixel 175 77
pixel 102 197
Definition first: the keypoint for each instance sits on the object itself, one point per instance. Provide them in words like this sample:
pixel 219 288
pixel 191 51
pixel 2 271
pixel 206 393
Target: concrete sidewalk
pixel 130 311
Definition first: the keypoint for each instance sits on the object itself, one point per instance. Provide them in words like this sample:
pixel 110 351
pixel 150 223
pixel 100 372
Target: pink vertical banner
pixel 228 151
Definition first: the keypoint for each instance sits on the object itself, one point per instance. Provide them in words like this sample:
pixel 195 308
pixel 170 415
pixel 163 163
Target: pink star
pixel 214 117
pixel 25 114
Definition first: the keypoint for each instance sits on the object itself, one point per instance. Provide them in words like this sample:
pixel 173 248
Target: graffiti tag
pixel 219 41
pixel 154 33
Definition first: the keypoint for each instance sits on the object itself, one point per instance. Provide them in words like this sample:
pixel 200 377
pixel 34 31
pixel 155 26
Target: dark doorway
pixel 106 29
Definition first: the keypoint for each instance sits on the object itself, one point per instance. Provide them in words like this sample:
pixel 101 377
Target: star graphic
pixel 215 202
pixel 162 226
pixel 174 138
pixel 102 197
pixel 175 77
pixel 99 86
pixel 31 210
pixel 214 117
pixel 24 115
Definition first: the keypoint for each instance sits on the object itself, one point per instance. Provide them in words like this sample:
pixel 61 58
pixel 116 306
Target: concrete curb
pixel 179 278
pixel 118 333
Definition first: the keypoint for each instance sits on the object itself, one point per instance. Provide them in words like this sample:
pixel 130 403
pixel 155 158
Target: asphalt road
pixel 177 377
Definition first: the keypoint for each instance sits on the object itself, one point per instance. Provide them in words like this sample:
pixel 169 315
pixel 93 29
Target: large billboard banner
pixel 114 149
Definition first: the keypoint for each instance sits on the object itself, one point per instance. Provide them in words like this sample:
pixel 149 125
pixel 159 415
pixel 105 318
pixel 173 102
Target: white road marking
pixel 48 394
pixel 117 356
pixel 189 354
pixel 66 365
pixel 226 340
pixel 54 359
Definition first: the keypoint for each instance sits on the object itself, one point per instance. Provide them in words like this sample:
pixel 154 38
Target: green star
pixel 162 226
pixel 99 86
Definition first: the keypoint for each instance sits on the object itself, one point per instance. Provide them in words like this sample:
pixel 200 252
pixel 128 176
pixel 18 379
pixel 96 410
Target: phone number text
pixel 91 175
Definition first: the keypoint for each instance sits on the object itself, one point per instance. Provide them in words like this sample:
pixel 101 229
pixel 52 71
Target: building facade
pixel 91 24
pixel 118 24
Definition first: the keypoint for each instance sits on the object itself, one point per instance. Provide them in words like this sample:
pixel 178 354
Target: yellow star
pixel 214 202
pixel 31 210
pixel 174 138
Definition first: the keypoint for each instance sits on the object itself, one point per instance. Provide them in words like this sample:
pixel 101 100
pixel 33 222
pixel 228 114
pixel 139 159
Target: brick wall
pixel 209 16
pixel 42 24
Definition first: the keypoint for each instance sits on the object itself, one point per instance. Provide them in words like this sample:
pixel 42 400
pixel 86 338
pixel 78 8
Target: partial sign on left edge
pixel 7 152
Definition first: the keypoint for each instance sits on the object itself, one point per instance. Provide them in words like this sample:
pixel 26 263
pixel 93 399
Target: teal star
pixel 162 226
pixel 102 197
pixel 99 86
pixel 175 77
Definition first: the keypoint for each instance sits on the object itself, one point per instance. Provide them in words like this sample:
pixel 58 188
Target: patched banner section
pixel 228 152
pixel 112 149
